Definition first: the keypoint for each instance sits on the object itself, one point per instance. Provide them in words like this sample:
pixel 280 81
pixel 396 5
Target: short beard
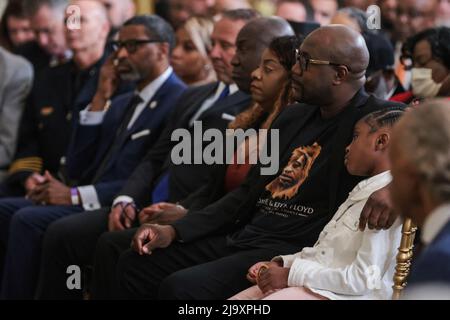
pixel 132 76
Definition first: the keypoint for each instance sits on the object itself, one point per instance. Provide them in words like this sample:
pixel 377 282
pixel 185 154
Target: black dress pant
pixel 69 241
pixel 201 270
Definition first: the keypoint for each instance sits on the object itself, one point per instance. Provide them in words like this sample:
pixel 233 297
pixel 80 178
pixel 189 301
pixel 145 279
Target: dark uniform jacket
pixel 58 94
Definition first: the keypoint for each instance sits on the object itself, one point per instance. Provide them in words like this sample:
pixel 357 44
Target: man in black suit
pixel 207 253
pixel 213 105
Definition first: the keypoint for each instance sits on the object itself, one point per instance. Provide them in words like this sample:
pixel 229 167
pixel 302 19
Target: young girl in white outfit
pixel 345 262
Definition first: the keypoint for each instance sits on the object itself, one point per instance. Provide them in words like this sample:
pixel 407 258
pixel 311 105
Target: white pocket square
pixel 229 117
pixel 140 134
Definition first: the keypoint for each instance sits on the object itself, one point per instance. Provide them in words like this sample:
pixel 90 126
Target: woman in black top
pixel 271 93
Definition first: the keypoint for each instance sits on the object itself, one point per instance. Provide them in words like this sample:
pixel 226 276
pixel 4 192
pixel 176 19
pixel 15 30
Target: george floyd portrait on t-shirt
pixel 295 173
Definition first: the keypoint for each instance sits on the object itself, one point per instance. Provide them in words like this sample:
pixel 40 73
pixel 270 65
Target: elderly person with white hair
pixel 420 159
pixel 190 58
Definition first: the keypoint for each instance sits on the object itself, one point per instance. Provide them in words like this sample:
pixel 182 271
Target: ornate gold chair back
pixel 404 257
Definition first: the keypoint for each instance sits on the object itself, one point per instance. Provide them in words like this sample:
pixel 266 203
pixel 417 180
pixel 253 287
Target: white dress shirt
pixel 346 263
pixel 88 194
pixel 207 104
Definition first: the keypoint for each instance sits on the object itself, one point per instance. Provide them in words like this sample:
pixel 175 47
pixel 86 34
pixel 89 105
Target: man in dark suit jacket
pixel 207 253
pixel 421 176
pixel 212 104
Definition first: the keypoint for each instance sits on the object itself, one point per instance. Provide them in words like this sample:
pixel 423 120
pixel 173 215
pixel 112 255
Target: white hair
pixel 426 139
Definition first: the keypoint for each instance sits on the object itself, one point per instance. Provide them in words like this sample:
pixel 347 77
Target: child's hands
pixel 254 270
pixel 273 278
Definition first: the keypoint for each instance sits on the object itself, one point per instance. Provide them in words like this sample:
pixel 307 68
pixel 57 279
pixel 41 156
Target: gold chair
pixel 404 257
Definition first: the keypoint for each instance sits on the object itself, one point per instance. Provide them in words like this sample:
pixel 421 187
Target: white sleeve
pixel 123 199
pixel 90 118
pixel 89 198
pixel 287 260
pixel 354 279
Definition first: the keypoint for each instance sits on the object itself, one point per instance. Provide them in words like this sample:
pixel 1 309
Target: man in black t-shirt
pixel 208 252
pixel 297 197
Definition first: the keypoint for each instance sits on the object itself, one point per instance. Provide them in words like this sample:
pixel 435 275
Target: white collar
pixel 233 88
pixel 435 222
pixel 149 91
pixel 366 187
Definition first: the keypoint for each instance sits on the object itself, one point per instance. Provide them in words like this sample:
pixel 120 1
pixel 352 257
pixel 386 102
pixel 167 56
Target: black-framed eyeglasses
pixel 304 59
pixel 131 45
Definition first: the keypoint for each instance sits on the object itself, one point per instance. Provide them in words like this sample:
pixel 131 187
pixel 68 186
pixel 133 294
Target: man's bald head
pixel 339 44
pixel 265 29
pixel 254 37
pixel 92 8
pixel 94 27
pixel 330 85
pixel 119 11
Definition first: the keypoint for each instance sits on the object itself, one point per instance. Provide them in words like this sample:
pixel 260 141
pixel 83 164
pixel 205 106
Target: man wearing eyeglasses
pixel 156 179
pixel 250 225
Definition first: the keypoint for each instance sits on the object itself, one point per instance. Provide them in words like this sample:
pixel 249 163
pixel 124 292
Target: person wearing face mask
pixel 381 79
pixel 429 53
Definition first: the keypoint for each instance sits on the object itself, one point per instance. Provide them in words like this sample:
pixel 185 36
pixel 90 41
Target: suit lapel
pixel 223 104
pixel 87 90
pixel 153 107
pixel 120 112
pixel 199 99
pixel 62 83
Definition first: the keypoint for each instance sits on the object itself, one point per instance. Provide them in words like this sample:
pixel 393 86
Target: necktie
pixel 225 93
pixel 119 135
pixel 129 114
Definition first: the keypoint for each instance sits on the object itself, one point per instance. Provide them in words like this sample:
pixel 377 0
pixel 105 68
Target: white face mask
pixel 423 85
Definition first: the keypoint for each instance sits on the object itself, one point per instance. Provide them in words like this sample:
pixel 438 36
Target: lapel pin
pixel 153 105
